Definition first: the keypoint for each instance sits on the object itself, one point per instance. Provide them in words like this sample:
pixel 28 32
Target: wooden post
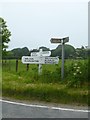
pixel 27 67
pixel 16 65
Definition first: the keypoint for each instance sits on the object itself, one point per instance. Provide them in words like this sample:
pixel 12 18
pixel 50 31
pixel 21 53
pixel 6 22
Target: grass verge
pixel 15 86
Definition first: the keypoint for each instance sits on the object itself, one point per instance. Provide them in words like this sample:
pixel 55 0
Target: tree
pixel 19 52
pixel 4 36
pixel 81 52
pixel 69 51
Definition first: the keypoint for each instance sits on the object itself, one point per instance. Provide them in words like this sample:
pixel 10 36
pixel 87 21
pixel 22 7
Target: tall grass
pixel 46 87
pixel 43 91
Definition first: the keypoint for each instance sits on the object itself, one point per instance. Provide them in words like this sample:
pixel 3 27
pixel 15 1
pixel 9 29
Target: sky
pixel 33 23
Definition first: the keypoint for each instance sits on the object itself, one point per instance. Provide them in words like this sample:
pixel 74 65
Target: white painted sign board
pixel 46 53
pixel 51 60
pixel 43 53
pixel 32 60
pixel 35 54
pixel 39 60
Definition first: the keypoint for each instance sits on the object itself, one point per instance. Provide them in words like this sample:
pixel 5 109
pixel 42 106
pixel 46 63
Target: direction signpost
pixel 41 57
pixel 63 41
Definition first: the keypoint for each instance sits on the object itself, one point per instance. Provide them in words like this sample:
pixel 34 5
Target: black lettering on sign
pixel 30 60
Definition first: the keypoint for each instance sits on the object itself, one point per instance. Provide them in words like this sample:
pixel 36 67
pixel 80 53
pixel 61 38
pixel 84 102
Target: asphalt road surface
pixel 21 110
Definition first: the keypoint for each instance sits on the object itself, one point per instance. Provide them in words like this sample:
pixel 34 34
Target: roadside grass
pixel 46 92
pixel 28 85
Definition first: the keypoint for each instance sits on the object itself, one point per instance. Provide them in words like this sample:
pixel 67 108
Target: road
pixel 21 110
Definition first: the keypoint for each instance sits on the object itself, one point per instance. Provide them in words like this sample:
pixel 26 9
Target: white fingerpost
pixel 40 58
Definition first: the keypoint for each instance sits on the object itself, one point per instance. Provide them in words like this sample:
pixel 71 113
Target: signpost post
pixel 63 41
pixel 40 65
pixel 62 68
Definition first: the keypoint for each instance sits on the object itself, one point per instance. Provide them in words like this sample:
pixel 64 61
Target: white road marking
pixel 42 106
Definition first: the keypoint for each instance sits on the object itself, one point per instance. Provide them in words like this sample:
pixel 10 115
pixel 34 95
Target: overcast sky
pixel 33 24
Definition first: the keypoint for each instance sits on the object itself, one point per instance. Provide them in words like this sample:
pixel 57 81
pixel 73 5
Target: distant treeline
pixel 70 52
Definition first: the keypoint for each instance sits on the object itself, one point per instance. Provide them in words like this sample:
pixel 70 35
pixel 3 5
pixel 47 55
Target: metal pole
pixel 62 68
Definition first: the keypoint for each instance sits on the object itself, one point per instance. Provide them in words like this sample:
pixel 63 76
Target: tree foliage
pixel 4 36
pixel 19 52
pixel 81 52
pixel 69 51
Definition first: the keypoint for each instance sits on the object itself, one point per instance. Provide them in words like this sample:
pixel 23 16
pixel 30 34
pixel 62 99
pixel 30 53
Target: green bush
pixel 78 74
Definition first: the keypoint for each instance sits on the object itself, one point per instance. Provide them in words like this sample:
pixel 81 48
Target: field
pixel 28 85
